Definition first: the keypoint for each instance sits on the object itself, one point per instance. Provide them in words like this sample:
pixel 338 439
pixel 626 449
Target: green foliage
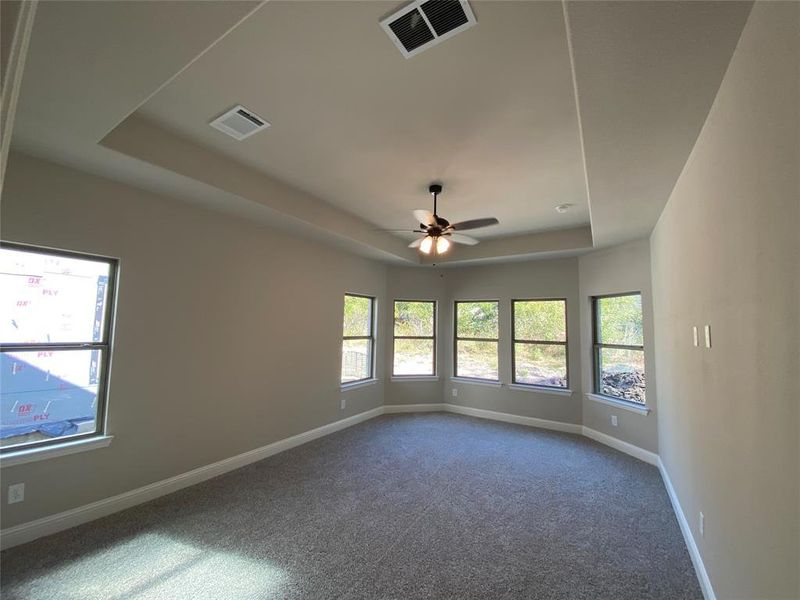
pixel 357 316
pixel 540 364
pixel 553 357
pixel 413 357
pixel 413 318
pixel 477 359
pixel 540 320
pixel 477 319
pixel 620 320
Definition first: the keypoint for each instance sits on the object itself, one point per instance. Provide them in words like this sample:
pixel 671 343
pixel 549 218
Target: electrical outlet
pixel 455 392
pixel 16 493
pixel 694 336
pixel 614 421
pixel 708 335
pixel 702 525
pixel 343 403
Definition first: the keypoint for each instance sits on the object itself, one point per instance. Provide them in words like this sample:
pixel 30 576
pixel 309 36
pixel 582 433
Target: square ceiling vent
pixel 425 23
pixel 239 123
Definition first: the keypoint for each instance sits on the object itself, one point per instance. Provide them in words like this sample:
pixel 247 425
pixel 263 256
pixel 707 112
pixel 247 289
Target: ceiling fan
pixel 438 230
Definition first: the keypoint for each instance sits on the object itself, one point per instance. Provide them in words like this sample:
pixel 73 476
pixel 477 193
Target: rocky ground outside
pixel 628 385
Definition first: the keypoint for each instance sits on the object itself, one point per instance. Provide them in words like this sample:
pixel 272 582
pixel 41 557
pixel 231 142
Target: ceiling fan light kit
pixel 440 234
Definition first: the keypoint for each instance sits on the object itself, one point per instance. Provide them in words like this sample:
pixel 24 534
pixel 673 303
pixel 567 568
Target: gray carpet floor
pixel 401 507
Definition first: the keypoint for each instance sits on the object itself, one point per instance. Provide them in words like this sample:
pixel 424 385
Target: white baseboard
pixel 27 532
pixel 694 551
pixel 617 444
pixel 626 447
pixel 411 408
pixel 509 418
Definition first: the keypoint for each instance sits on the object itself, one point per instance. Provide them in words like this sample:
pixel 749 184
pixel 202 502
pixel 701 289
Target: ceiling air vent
pixel 239 122
pixel 425 23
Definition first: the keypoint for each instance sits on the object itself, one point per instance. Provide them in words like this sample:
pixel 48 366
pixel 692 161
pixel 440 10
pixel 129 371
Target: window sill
pixel 540 389
pixel 63 449
pixel 486 382
pixel 415 378
pixel 623 404
pixel 357 384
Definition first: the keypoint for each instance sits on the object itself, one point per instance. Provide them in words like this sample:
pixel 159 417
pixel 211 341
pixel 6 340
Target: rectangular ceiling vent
pixel 239 123
pixel 425 23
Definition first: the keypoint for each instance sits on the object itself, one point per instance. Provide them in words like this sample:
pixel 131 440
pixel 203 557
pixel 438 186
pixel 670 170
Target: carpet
pixel 399 507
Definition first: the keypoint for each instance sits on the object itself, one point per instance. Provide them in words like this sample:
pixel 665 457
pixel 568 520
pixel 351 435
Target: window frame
pixel 105 346
pixel 515 341
pixel 597 347
pixel 433 338
pixel 456 339
pixel 371 337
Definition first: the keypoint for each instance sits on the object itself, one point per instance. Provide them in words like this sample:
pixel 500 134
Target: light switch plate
pixel 455 392
pixel 694 336
pixel 707 330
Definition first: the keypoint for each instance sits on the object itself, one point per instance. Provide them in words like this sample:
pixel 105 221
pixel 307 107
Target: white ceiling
pixel 491 112
pixel 647 74
pixel 126 89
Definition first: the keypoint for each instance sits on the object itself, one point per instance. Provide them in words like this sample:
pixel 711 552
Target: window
pixel 55 337
pixel 618 347
pixel 476 340
pixel 358 339
pixel 414 338
pixel 539 351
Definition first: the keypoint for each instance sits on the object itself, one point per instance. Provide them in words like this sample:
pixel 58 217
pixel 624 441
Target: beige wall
pixel 726 252
pixel 533 279
pixel 624 268
pixel 228 335
pixel 234 328
pixel 415 283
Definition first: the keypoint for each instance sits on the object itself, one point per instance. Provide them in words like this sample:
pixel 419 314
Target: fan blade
pixel 460 238
pixel 424 217
pixel 399 230
pixel 416 242
pixel 474 224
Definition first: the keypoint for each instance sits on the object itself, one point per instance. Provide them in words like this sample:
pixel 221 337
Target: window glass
pixel 477 359
pixel 540 320
pixel 477 319
pixel 356 359
pixel 622 374
pixel 51 298
pixel 413 357
pixel 414 340
pixel 358 339
pixel 413 318
pixel 476 343
pixel 618 350
pixel 540 342
pixel 357 316
pixel 55 345
pixel 540 364
pixel 620 320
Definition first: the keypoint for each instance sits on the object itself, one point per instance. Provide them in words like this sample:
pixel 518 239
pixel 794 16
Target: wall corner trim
pixel 691 545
